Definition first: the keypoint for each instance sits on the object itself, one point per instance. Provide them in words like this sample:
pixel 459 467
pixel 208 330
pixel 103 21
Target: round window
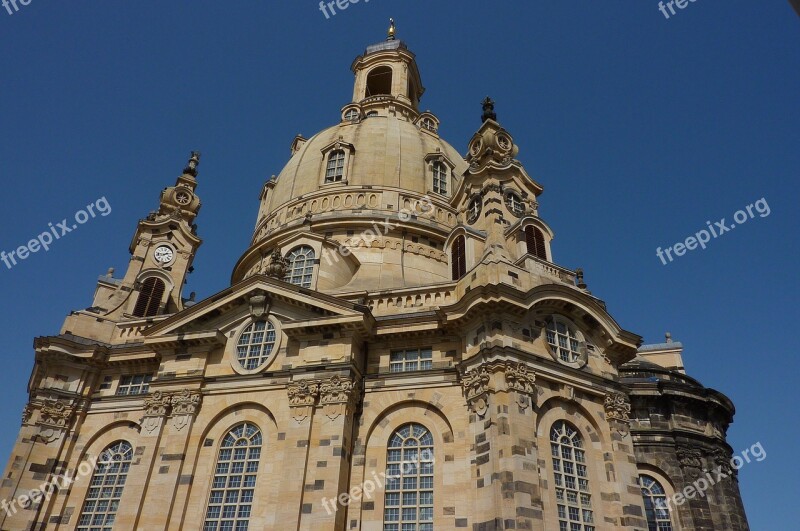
pixel 515 204
pixel 256 345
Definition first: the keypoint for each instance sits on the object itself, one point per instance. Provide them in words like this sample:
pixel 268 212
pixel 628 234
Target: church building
pixel 398 350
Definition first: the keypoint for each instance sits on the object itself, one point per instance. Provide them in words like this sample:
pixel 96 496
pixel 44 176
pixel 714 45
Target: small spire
pixel 668 337
pixel 488 110
pixel 191 166
pixel 579 278
pixel 390 35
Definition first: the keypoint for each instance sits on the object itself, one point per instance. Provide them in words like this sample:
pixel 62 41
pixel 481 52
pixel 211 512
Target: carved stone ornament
pixel 278 266
pixel 476 390
pixel 338 395
pixel 185 406
pixel 259 305
pixel 55 413
pixel 27 412
pixel 722 458
pixel 521 379
pixel 182 406
pixel 156 405
pixel 618 407
pixel 690 457
pixel 302 397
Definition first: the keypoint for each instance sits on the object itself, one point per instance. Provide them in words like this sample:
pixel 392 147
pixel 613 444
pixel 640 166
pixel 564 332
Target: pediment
pixel 300 310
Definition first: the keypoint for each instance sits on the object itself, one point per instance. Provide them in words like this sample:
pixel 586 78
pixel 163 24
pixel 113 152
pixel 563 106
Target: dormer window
pixel 301 266
pixel 351 115
pixel 334 171
pixel 428 124
pixel 440 176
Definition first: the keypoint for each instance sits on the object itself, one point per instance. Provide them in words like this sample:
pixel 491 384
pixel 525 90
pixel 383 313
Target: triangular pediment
pixel 297 308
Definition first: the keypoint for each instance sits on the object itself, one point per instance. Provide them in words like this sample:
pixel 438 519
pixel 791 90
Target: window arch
pixel 573 497
pixel 655 504
pixel 458 257
pixel 440 175
pixel 233 488
pixel 334 171
pixel 301 266
pixel 534 242
pixel 105 491
pixel 379 81
pixel 409 480
pixel 255 345
pixel 150 295
pixel 566 342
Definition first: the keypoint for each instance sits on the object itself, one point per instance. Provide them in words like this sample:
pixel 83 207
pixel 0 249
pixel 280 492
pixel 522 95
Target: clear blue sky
pixel 640 129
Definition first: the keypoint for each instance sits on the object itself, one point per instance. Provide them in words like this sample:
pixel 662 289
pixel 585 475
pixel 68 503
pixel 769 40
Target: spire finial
pixel 488 110
pixel 390 34
pixel 668 337
pixel 191 166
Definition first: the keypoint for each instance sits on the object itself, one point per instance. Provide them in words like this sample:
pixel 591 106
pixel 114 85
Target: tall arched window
pixel 105 491
pixel 301 266
pixel 149 297
pixel 534 241
pixel 409 480
pixel 573 497
pixel 440 178
pixel 458 257
pixel 655 504
pixel 230 503
pixel 334 172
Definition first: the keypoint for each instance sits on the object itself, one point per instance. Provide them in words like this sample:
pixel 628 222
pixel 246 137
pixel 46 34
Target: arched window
pixel 379 81
pixel 351 115
pixel 149 297
pixel 301 266
pixel 233 489
pixel 334 172
pixel 255 345
pixel 458 256
pixel 573 497
pixel 440 174
pixel 655 504
pixel 564 340
pixel 534 241
pixel 409 480
pixel 105 491
pixel 515 204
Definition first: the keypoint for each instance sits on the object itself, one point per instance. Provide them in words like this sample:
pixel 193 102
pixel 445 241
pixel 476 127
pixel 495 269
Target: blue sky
pixel 640 128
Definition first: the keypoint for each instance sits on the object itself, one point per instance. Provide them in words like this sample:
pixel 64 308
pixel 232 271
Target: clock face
pixel 164 254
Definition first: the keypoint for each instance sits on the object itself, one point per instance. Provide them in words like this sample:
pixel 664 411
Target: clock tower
pixel 162 251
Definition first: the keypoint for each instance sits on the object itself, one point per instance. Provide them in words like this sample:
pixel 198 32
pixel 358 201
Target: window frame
pixel 400 493
pixel 534 237
pixel 510 203
pixel 143 386
pixel 458 257
pixel 291 271
pixel 422 360
pixel 656 525
pixel 582 357
pixel 248 478
pixel 99 482
pixel 566 465
pixel 270 324
pixel 148 302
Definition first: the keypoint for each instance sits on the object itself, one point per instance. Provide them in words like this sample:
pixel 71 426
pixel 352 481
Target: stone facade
pixel 395 293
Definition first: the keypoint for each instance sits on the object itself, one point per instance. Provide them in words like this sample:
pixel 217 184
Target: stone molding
pixel 618 412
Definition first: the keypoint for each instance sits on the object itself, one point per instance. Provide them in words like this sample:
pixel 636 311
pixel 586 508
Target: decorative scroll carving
pixel 27 412
pixel 302 397
pixel 182 406
pixel 476 389
pixel 691 460
pixel 521 379
pixel 338 395
pixel 55 413
pixel 618 407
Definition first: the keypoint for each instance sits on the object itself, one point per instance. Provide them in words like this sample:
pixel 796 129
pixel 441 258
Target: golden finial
pixel 390 36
